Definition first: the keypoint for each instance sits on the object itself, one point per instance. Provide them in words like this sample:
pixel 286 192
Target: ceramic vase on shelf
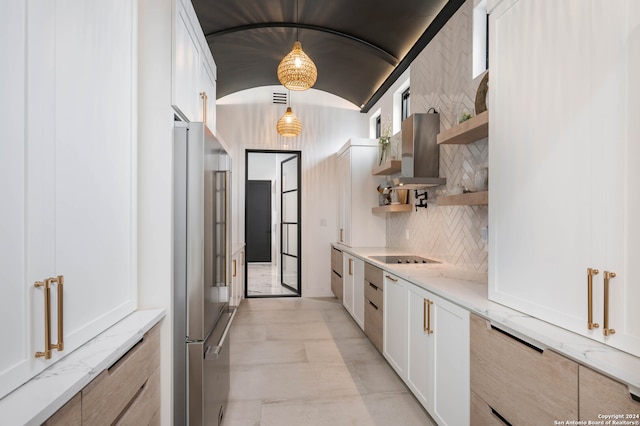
pixel 383 153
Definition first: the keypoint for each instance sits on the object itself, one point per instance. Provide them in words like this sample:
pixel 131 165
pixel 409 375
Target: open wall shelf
pixel 388 168
pixel 466 132
pixel 392 208
pixel 480 198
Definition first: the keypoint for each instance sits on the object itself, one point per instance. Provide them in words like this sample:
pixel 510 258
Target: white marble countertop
pixel 469 290
pixel 35 401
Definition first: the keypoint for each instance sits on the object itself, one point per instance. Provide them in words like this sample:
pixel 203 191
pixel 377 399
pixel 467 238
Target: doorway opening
pixel 272 224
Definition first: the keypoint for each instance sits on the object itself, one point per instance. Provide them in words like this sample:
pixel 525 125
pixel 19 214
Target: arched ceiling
pixel 359 47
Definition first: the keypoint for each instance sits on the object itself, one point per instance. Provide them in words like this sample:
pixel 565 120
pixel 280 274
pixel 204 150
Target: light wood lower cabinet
pixel 600 395
pixel 373 305
pixel 523 384
pixel 127 393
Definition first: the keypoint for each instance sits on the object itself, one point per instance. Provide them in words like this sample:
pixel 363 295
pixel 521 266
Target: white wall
pixel 247 120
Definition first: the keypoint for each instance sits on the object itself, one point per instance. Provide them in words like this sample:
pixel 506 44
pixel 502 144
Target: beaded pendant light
pixel 289 125
pixel 296 70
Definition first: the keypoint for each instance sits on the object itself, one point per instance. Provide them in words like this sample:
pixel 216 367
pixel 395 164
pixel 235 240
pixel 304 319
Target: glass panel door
pixel 289 225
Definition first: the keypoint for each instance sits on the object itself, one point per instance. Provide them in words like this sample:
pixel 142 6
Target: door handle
pixel 428 304
pixel 607 278
pixel 590 273
pixel 48 346
pixel 234 267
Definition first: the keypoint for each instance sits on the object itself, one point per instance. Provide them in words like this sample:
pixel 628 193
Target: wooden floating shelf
pixel 392 208
pixel 388 168
pixel 466 132
pixel 469 199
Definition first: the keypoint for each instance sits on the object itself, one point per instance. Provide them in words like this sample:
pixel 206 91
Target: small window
pixel 406 110
pixel 378 126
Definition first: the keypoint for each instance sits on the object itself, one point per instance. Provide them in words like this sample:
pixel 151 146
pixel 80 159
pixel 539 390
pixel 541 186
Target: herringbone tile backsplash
pixel 441 78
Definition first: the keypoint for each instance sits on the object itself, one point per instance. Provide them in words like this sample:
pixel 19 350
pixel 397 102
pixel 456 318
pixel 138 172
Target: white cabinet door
pixel 208 87
pixel 357 225
pixel 353 287
pixel 73 176
pixel 186 67
pixel 358 292
pixel 438 356
pixel 344 197
pixel 450 358
pixel 420 346
pixel 395 323
pixel 347 282
pixel 16 357
pixel 567 166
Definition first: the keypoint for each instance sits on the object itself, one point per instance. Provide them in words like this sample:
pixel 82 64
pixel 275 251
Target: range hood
pixel 420 153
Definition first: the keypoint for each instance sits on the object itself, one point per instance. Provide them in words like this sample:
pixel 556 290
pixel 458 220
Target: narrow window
pixel 406 111
pixel 378 126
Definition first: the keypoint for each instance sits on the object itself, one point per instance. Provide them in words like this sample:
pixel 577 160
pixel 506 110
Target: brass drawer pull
pixel 47 318
pixel 373 304
pixel 48 346
pixel 428 304
pixel 234 267
pixel 590 273
pixel 373 286
pixel 341 235
pixel 350 266
pixel 607 277
pixel 391 278
pixel 424 315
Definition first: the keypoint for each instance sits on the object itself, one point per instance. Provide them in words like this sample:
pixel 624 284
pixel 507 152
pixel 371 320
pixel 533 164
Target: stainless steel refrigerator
pixel 202 274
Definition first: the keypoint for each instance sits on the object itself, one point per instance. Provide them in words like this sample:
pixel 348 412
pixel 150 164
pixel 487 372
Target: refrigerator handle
pixel 213 352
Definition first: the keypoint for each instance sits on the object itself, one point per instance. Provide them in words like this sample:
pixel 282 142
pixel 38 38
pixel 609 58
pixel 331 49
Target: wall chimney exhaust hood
pixel 420 153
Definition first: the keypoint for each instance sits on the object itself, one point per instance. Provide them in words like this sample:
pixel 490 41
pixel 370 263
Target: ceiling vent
pixel 279 98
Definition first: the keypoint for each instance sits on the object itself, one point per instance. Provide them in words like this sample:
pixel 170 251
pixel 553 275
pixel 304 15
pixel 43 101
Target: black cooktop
pixel 403 259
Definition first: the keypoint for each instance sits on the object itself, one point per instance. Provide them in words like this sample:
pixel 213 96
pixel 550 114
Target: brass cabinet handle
pixel 373 286
pixel 590 273
pixel 341 235
pixel 60 281
pixel 429 303
pixel 607 277
pixel 47 318
pixel 350 266
pixel 234 267
pixel 424 315
pixel 373 304
pixel 48 346
pixel 391 278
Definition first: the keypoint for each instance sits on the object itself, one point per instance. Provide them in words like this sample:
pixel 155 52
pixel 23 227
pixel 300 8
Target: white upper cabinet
pixel 564 155
pixel 357 226
pixel 71 115
pixel 194 71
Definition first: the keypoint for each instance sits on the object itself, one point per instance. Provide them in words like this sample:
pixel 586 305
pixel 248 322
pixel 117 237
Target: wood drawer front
pixel 373 324
pixel 374 294
pixel 481 413
pixel 373 274
pixel 525 386
pixel 146 404
pixel 336 260
pixel 69 414
pixel 336 285
pixel 107 396
pixel 600 394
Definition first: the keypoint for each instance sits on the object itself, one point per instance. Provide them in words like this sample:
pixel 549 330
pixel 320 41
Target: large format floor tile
pixel 297 361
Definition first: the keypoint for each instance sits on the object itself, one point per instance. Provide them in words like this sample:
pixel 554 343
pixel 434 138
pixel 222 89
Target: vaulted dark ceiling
pixel 359 46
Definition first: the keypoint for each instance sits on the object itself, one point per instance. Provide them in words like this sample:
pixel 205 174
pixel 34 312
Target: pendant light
pixel 296 70
pixel 289 125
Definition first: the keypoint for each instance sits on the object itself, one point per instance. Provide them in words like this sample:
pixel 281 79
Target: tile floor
pixel 298 361
pixel 262 280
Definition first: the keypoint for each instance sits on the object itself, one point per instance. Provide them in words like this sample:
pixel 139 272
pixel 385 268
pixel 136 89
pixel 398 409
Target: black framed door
pixel 258 205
